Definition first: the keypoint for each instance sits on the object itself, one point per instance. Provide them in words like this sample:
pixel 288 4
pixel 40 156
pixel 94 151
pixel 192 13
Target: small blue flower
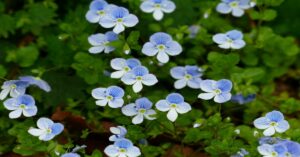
pixel 193 31
pixel 139 76
pixel 37 82
pixel 162 45
pixel 267 150
pixel 140 109
pixel 241 99
pixel 235 7
pixel 231 39
pixel 113 96
pixel 241 153
pixel 97 11
pixel 119 133
pixel 271 123
pixel 22 104
pixel 119 18
pixel 100 42
pixel 293 149
pixel 122 148
pixel 219 90
pixel 123 66
pixel 70 155
pixel 158 7
pixel 188 75
pixel 174 104
pixel 14 88
pixel 47 129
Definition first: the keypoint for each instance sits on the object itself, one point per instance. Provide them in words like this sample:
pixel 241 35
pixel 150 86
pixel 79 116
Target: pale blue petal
pixel 25 99
pixel 115 91
pixel 129 110
pixel 4 93
pixel 36 132
pixel 44 123
pixel 265 149
pixel 220 38
pixel 138 119
pixel 71 155
pixel 237 12
pixel 222 98
pixel 149 80
pixel 111 151
pixel 46 137
pixel 206 96
pixel 224 85
pixel 275 116
pixel 172 115
pixel 262 123
pixel 178 72
pixel 123 143
pixel 224 8
pixel 173 48
pixel 237 44
pixel 282 126
pixel 99 93
pixel 92 16
pixel 31 111
pixel 208 85
pixel 118 63
pixel 194 83
pixel 162 105
pixel 140 71
pixel 107 22
pixel 158 14
pixel 183 108
pixel 150 114
pixel 168 6
pixel 137 86
pixel 129 79
pixel 149 49
pixel 15 114
pixel 119 12
pixel 98 5
pixel 97 49
pixel 193 70
pixel 143 103
pixel 116 103
pixel 147 6
pixel 160 38
pixel 162 57
pixel 111 36
pixel 234 35
pixel 97 39
pixel 130 20
pixel 133 152
pixel 179 84
pixel 132 63
pixel 269 131
pixel 11 104
pixel 175 98
pixel 57 128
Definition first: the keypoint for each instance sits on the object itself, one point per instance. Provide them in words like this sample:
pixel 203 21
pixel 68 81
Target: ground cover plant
pixel 170 78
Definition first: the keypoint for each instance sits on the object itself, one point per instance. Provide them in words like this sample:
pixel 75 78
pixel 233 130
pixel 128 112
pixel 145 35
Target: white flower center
pixel 217 91
pixel 161 47
pixel 188 76
pixel 119 20
pixel 126 68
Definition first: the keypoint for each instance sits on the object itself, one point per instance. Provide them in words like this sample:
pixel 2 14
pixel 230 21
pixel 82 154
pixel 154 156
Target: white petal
pixel 96 49
pixel 4 93
pixel 158 14
pixel 269 131
pixel 179 84
pixel 149 49
pixel 162 105
pixel 149 80
pixel 137 87
pixel 147 6
pixel 117 74
pixel 129 110
pixel 138 119
pixel 119 28
pixel 30 112
pixel 206 96
pixel 162 57
pixel 107 22
pixel 118 63
pixel 44 123
pixel 172 115
pixel 15 114
pixel 183 108
pixel 116 103
pixel 36 132
pixel 129 79
pixel 226 45
pixel 92 16
pixel 150 114
pixel 237 12
pixel 130 20
pixel 101 102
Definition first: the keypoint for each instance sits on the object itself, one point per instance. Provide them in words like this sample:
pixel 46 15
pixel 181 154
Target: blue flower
pixel 46 130
pixel 162 45
pixel 119 18
pixel 37 82
pixel 100 42
pixel 240 99
pixel 140 109
pixel 231 39
pixel 122 148
pixel 241 153
pixel 139 76
pixel 123 66
pixel 158 7
pixel 293 149
pixel 113 96
pixel 271 123
pixel 174 104
pixel 272 150
pixel 193 31
pixel 219 90
pixel 97 11
pixel 70 155
pixel 235 7
pixel 14 88
pixel 22 104
pixel 188 75
pixel 119 133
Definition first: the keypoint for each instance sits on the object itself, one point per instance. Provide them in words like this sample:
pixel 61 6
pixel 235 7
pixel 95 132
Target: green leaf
pixel 24 56
pixel 7 25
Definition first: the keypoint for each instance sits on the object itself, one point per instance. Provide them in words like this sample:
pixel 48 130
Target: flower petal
pixel 237 44
pixel 162 105
pixel 15 114
pixel 149 49
pixel 178 72
pixel 208 85
pixel 158 14
pixel 237 12
pixel 206 96
pixel 92 16
pixel 129 79
pixel 116 103
pixel 96 50
pixel 10 104
pixel 172 115
pixel 269 131
pixel 220 38
pixel 168 6
pixel 35 131
pixel 183 108
pixel 111 150
pixel 224 85
pixel 173 48
pixel 282 126
pixel 117 74
pixel 4 93
pixel 138 119
pixel 222 98
pixel 150 114
pixel 179 84
pixel 130 20
pixel 107 22
pixel 194 83
pixel 147 6
pixel 133 151
pixel 129 110
pixel 57 128
pixel 96 39
pixel 30 112
pixel 224 8
pixel 44 123
pixel 149 80
pixel 275 116
pixel 118 63
pixel 102 102
pixel 137 86
pixel 99 93
pixel 262 123
pixel 162 57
